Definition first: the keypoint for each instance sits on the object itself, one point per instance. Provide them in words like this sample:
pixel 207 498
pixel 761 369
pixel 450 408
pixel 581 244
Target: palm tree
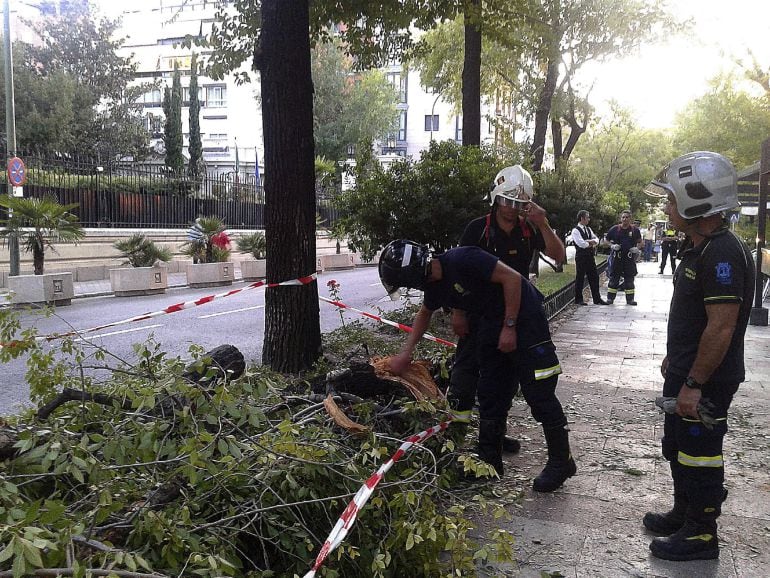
pixel 207 241
pixel 39 223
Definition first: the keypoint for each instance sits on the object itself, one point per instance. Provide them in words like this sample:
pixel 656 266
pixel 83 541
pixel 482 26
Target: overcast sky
pixel 662 79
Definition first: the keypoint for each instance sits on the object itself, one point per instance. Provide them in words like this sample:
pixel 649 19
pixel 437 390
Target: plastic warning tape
pixel 400 326
pixel 182 306
pixel 348 517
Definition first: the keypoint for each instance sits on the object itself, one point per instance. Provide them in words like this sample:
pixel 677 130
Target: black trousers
pixel 625 267
pixel 585 266
pixel 695 451
pixel 668 250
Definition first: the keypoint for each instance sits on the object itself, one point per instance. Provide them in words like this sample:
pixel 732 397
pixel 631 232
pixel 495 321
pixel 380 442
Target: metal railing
pixel 558 301
pixel 123 194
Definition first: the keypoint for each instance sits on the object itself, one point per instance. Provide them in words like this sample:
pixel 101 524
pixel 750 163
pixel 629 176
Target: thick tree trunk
pixel 38 259
pixel 472 76
pixel 292 325
pixel 542 113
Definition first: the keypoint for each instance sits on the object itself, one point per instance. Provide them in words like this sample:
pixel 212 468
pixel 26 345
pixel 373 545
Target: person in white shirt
pixel 649 241
pixel 585 241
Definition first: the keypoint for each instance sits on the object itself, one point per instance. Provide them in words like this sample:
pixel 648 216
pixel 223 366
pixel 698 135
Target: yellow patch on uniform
pixel 513 252
pixel 459 288
pixel 689 273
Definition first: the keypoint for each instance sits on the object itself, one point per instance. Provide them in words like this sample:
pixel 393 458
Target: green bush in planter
pixel 207 241
pixel 140 251
pixel 253 243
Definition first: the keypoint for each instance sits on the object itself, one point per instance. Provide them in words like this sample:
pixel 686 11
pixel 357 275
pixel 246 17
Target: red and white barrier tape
pixel 348 517
pixel 400 326
pixel 179 307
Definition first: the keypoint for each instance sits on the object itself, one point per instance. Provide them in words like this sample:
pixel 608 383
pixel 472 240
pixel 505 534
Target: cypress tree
pixel 174 157
pixel 195 147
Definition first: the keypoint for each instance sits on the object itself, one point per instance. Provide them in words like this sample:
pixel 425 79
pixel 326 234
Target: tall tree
pixel 621 157
pixel 107 116
pixel 472 74
pixel 348 108
pixel 287 117
pixel 375 33
pixel 726 120
pixel 532 50
pixel 173 137
pixel 195 146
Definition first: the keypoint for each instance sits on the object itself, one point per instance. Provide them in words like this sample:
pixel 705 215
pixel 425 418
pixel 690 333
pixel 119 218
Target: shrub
pixel 253 243
pixel 207 241
pixel 140 251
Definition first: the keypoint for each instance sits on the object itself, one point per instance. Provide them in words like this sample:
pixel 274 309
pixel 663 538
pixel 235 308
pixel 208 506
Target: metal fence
pixel 149 195
pixel 556 302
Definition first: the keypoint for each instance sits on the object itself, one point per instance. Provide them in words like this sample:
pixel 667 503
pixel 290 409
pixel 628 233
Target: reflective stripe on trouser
pixel 461 416
pixel 547 372
pixel 697 450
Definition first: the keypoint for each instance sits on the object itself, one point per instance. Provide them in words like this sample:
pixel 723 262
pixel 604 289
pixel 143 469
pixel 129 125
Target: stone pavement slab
pixel 592 526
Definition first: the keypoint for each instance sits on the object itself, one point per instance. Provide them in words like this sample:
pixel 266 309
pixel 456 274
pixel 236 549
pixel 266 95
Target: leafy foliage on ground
pixel 243 477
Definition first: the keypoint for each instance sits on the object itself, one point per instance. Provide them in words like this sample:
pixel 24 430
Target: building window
pixel 398 82
pixel 458 128
pixel 186 95
pixel 431 123
pixel 216 96
pixel 154 125
pixel 152 98
pixel 402 125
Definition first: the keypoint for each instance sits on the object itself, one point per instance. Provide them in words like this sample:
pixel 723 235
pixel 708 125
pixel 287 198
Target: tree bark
pixel 557 138
pixel 292 320
pixel 472 76
pixel 537 150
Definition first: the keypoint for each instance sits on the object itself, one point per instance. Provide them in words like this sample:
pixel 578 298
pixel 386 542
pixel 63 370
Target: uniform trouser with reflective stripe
pixel 626 268
pixel 536 369
pixel 696 451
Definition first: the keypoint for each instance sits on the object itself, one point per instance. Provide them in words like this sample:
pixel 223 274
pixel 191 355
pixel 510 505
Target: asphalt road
pixel 237 320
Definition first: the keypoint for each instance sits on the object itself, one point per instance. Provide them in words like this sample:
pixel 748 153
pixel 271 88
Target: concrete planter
pixel 131 281
pixel 48 289
pixel 335 261
pixel 254 270
pixel 359 261
pixel 210 274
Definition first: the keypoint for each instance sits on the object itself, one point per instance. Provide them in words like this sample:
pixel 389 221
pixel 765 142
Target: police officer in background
pixel 513 230
pixel 585 241
pixel 668 248
pixel 710 307
pixel 626 246
pixel 512 334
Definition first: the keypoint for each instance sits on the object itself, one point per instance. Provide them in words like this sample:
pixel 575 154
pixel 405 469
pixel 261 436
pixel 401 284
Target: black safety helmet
pixel 404 264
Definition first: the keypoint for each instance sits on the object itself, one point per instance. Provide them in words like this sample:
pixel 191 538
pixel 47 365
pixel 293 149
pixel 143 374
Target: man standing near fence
pixel 586 241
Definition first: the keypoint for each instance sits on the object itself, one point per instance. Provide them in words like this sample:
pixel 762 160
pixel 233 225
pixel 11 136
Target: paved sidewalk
pixel 592 526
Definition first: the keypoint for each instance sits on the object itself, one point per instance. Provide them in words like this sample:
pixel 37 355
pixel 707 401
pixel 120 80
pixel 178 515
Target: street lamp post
pixel 10 128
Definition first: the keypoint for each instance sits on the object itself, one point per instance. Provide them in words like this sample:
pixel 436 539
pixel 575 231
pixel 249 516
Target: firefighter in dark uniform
pixel 710 307
pixel 512 333
pixel 513 230
pixel 626 246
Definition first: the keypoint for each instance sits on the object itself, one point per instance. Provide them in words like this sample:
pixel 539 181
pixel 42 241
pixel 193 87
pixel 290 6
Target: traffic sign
pixel 17 172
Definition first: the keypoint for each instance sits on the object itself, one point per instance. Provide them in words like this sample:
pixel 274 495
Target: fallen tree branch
pixel 89 571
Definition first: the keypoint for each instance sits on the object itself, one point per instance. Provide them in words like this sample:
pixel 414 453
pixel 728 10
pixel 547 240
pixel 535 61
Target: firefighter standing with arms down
pixel 710 308
pixel 513 230
pixel 512 335
pixel 626 246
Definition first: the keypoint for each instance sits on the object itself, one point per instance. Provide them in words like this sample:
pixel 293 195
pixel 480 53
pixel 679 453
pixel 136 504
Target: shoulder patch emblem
pixel 724 273
pixel 689 273
pixel 459 289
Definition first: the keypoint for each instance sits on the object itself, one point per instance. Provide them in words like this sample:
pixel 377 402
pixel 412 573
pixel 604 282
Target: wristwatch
pixel 510 322
pixel 692 384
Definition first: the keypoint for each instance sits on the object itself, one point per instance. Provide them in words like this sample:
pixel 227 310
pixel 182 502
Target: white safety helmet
pixel 512 185
pixel 703 183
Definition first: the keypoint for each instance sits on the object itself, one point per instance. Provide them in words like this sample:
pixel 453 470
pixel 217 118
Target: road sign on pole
pixel 17 172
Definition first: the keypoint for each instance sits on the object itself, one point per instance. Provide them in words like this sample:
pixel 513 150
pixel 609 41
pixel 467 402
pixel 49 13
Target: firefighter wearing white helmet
pixel 710 308
pixel 514 230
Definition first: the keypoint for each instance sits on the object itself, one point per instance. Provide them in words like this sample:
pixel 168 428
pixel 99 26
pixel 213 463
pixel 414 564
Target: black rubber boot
pixel 511 445
pixel 667 523
pixel 491 432
pixel 695 540
pixel 560 465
